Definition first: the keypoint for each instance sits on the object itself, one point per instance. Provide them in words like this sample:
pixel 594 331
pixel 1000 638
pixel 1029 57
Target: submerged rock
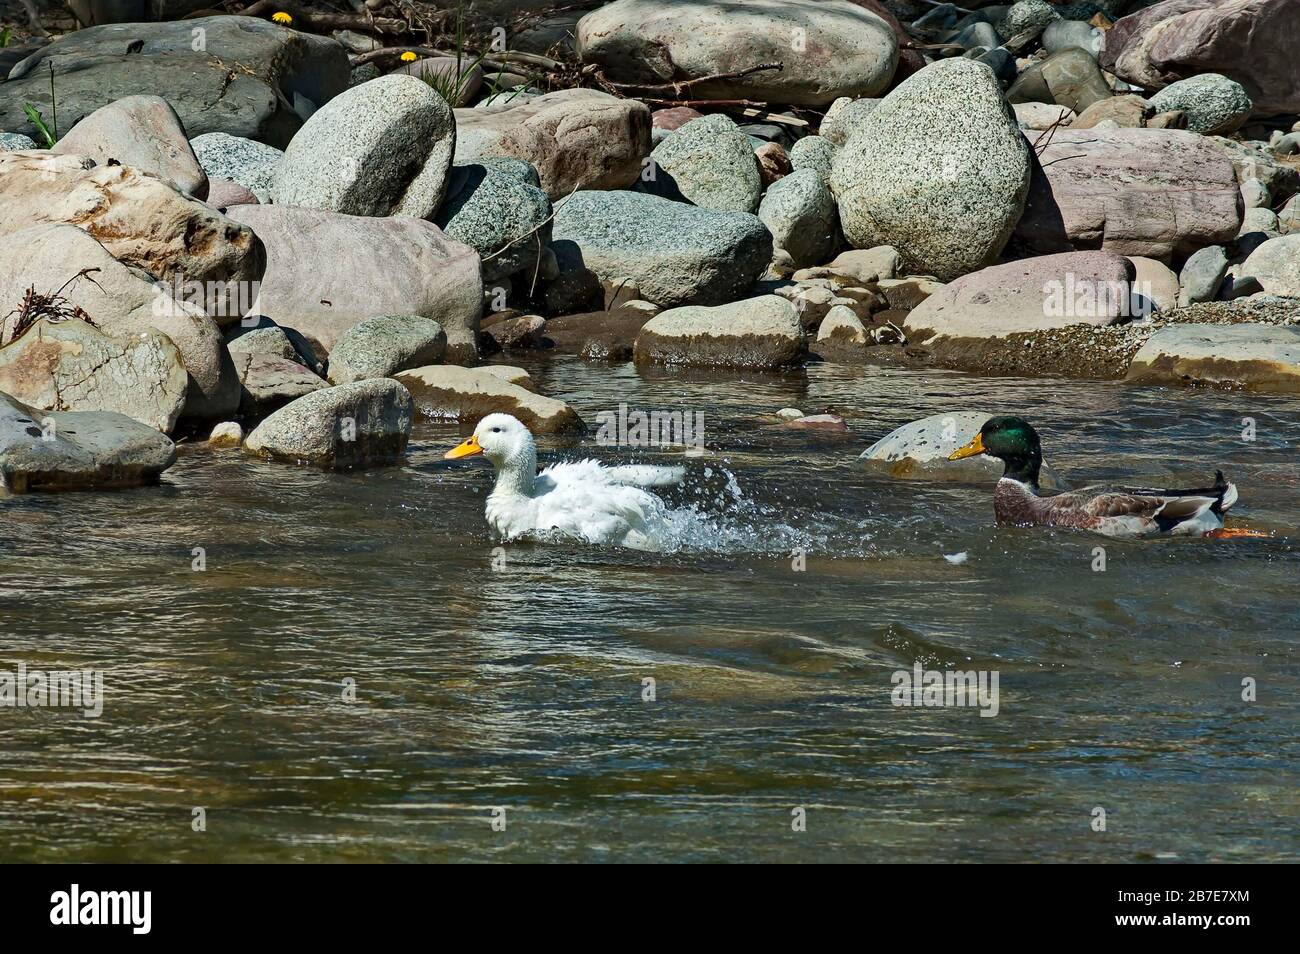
pixel 919 451
pixel 362 424
pixel 77 450
pixel 760 333
pixel 469 394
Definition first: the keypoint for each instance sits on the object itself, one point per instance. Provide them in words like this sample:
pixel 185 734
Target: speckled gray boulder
pixel 760 333
pixel 1027 16
pixel 250 163
pixel 939 170
pixel 845 118
pixel 381 148
pixel 361 424
pixel 380 347
pixel 673 252
pixel 709 162
pixel 1254 356
pixel 813 152
pixel 77 450
pixel 496 208
pixel 1214 104
pixel 1202 275
pixel 15 142
pixel 799 211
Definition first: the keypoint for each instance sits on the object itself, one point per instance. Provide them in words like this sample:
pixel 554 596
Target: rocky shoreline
pixel 297 230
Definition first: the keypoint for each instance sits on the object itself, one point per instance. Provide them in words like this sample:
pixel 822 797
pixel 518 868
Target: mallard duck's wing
pixel 645 475
pixel 1133 511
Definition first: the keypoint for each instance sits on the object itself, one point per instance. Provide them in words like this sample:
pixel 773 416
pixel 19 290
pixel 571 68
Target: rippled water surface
pixel 521 688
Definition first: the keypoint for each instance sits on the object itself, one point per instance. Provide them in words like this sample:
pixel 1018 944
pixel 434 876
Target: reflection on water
pixel 523 688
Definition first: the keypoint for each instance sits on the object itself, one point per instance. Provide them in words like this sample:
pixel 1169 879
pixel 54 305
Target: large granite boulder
pixel 1032 294
pixel 143 132
pixel 141 220
pixel 442 392
pixel 827 49
pixel 1150 192
pixel 381 148
pixel 939 170
pixel 1254 42
pixel 357 425
pixel 326 271
pixel 496 207
pixel 574 138
pixel 77 450
pixel 1258 357
pixel 710 163
pixel 673 252
pixel 760 333
pixel 240 75
pixel 73 366
pixel 121 302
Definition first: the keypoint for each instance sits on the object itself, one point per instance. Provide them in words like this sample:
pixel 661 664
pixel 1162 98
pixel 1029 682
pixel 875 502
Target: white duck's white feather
pixel 584 500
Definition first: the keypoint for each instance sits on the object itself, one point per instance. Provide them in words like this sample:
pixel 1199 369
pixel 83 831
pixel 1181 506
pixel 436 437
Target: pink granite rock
pixel 1255 42
pixel 1148 192
pixel 1033 294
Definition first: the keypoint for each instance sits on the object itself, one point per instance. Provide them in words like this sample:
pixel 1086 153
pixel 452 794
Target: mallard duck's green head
pixel 1011 440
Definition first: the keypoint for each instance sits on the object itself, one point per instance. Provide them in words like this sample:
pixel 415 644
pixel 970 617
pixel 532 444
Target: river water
pixel 351 678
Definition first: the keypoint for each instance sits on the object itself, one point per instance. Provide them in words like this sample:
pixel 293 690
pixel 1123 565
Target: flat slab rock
pixel 357 425
pixel 760 333
pixel 447 392
pixel 919 451
pixel 1255 357
pixel 77 450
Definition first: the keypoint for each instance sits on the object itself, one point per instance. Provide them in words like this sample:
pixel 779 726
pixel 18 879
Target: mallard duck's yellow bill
pixel 464 449
pixel 976 446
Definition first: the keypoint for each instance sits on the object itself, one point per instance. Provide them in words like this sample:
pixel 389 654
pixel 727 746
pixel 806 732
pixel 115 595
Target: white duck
pixel 584 500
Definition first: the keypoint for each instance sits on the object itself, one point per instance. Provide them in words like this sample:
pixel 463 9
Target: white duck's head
pixel 504 441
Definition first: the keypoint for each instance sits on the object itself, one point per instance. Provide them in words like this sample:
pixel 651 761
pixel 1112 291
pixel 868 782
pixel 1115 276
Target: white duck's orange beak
pixel 464 449
pixel 976 446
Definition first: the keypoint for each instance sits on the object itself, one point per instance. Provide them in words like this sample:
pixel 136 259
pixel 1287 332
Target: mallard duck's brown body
pixel 1119 513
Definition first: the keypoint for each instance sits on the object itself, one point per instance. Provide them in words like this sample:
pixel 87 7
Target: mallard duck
pixel 584 500
pixel 1122 512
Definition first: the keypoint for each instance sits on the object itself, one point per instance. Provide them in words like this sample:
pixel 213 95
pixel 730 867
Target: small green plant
pixel 6 35
pixel 451 85
pixel 36 119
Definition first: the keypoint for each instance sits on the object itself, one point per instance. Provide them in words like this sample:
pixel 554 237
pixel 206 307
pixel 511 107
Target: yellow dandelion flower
pixel 282 17
pixel 408 57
